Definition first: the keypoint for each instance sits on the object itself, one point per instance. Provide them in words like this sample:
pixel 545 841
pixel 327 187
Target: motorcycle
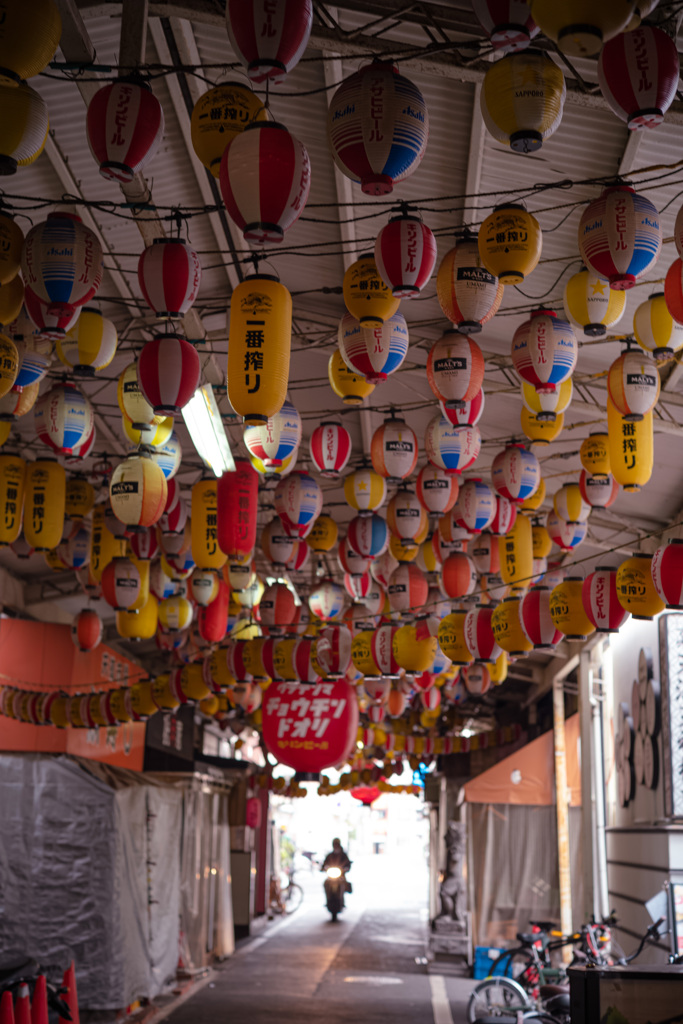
pixel 335 887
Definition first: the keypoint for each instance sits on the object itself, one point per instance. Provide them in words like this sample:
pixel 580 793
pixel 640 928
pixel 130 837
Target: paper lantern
pixel 667 573
pixel 168 456
pixel 169 275
pixel 49 326
pixel 601 602
pixel 367 298
pixel 504 515
pixel 485 554
pixel 349 386
pixel 468 293
pixel 139 625
pixel 620 236
pixel 358 586
pixel 566 535
pixel 374 351
pixel 35 358
pixel 631 448
pixel 323 535
pixel 569 504
pixel 44 504
pixel 62 262
pixel 540 432
pixel 277 608
pixel 175 614
pixel 633 384
pixel 455 369
pixel 541 541
pixel 452 536
pixel 406 517
pixel 277 439
pixel 567 609
pixel 598 491
pixel 580 28
pixel 536 620
pixel 515 473
pixel 368 535
pixel 298 502
pixel 544 350
pixel 137 492
pixel 121 583
pixel 403 552
pixel 477 680
pixel 377 127
pixel 269 41
pixel 361 653
pixel 451 637
pixel 276 543
pixel 508 25
pixel 510 243
pixel 467 415
pixel 594 454
pixel 326 600
pixel 300 556
pixel 63 418
pixel 382 568
pixel 132 403
pixel 237 503
pixel 250 596
pixel 350 561
pixel 144 543
pixel 168 373
pixel 265 178
pixel 104 546
pixel 337 721
pixel 655 329
pixel 407 589
pixel 476 507
pixel 218 116
pixel 11 300
pixel 9 364
pixel 330 449
pixel 453 449
pixel 638 74
pixel 212 619
pixel 29 40
pixel 516 552
pixel 24 128
pixel 636 589
pixel 458 576
pixel 415 646
pixel 86 630
pixel 522 98
pixel 405 254
pixel 547 404
pixel 479 638
pixel 393 450
pixel 366 490
pixel 436 489
pixel 206 552
pixel 591 305
pixel 12 473
pixel 11 242
pixel 259 347
pixel 507 627
pixel 151 436
pixel 124 126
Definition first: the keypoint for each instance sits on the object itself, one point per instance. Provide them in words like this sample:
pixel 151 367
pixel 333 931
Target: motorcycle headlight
pixel 334 872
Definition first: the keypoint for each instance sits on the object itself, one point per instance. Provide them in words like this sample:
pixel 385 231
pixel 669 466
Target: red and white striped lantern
pixel 667 573
pixel 534 617
pixel 276 544
pixel 566 535
pixel 598 491
pixel 375 600
pixel 265 178
pixel 467 415
pixel 430 697
pixel 298 502
pixel 333 650
pixel 507 23
pixel 269 38
pixel 327 600
pixel 476 506
pixel 358 587
pixel 408 588
pixel 378 687
pixel 330 449
pixel 455 369
pixel 368 535
pixel 234 657
pixel 61 262
pixel 382 649
pixel 484 552
pixel 516 473
pixel 169 371
pixel 638 74
pixel 145 544
pixel 124 126
pixel 620 236
pixel 405 254
pixel 121 583
pixel 382 567
pixel 300 556
pixel 436 489
pixel 169 273
pixel 277 608
pixel 468 293
pixel 373 352
pixel 50 325
pixel 350 561
pixel 478 634
pixel 86 630
pixel 394 450
pixel 601 603
pixel 633 384
pixel 504 518
pixel 458 576
pixel 376 713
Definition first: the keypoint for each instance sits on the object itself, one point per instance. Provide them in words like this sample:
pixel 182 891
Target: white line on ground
pixel 273 930
pixel 441 1007
pixel 374 979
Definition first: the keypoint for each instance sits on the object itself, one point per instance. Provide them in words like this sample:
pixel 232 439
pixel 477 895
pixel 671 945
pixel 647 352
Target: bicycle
pixel 287 900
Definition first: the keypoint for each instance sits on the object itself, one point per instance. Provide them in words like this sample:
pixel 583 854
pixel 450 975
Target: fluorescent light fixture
pixel 204 423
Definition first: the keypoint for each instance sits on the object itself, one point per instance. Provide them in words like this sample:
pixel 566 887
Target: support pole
pixel 562 805
pixel 590 899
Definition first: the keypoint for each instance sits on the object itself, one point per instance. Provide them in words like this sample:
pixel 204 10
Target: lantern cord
pixel 537 298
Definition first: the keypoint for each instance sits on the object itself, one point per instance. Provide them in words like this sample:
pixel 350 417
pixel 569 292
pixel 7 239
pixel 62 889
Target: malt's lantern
pixel 405 254
pixel 620 236
pixel 455 369
pixel 121 583
pixel 522 98
pixel 276 543
pixel 598 491
pixel 510 243
pixel 485 554
pixel 259 347
pixel 204 586
pixel 394 450
pixel 436 489
pixel 406 517
pixel 138 492
pixel 633 384
pixel 468 293
pixel 124 127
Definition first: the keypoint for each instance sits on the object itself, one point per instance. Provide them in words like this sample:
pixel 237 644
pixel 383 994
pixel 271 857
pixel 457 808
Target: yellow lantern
pixel 636 591
pixel 55 561
pixel 15 404
pixel 132 403
pixel 217 670
pixel 541 431
pixel 283 654
pixel 591 305
pixel 104 546
pixel 510 243
pixel 11 242
pixel 11 298
pixel 253 658
pixel 80 497
pixel 5 429
pixel 154 434
pixel 400 552
pixel 210 705
pixel 516 553
pixel 426 557
pixel 541 543
pixel 205 550
pixel 567 609
pixel 414 653
pixel 144 568
pixel 367 297
pixel 259 344
pixel 548 404
pixel 594 454
pixel 44 504
pixel 361 653
pixel 192 683
pixel 534 501
pixel 631 448
pixel 164 692
pixel 346 384
pixel 12 476
pixel 138 491
pixel 365 490
pixel 90 345
pixel 29 39
pixel 580 27
pixel 655 329
pixel 9 363
pixel 142 700
pixel 451 637
pixel 507 627
pixel 498 672
pixel 142 624
pixel 218 117
pixel 323 535
pixel 24 127
pixel 175 613
pixel 522 97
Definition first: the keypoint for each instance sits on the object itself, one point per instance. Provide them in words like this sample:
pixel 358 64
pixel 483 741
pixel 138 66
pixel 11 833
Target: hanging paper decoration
pixel 536 620
pixel 9 364
pixel 121 583
pixel 206 553
pixel 169 274
pixel 636 590
pixel 544 350
pixel 277 609
pixel 29 40
pixel 405 254
pixel 667 573
pixel 522 98
pixel 415 647
pixel 35 358
pixel 49 326
pixel 86 630
pixel 259 347
pixel 326 600
pixel 15 404
pixel 323 535
pixel 638 73
pixel 366 296
pixel 152 436
pixel 330 448
pixel 24 128
pixel 11 243
pixel 515 473
pixel 132 403
pixel 458 576
pixel 175 614
pixel 143 543
pixel 350 561
pixel 277 439
pixel 124 126
pixel 168 373
pixel 547 405
pixel 269 40
pixel 451 637
pixel 436 489
pixel 455 369
pixel 11 300
pixel 601 602
pixel 373 352
pixel 265 178
pixel 453 449
pixel 300 556
pixel 510 243
pixel 218 116
pixel 467 415
pixel 507 627
pixel 468 293
pixel 515 550
pixel 377 127
pixel 382 567
pixel 476 506
pixel 655 329
pixel 90 345
pixel 137 492
pixel 580 28
pixel 333 650
pixel 569 504
pixel 358 587
pixel 237 495
pixel 12 472
pixel 168 456
pixel 298 502
pixel 139 625
pixel 349 386
pixel 540 432
pixel 566 535
pixel 212 619
pixel 406 517
pixel 633 385
pixel 408 589
pixel 542 544
pixel 508 25
pixel 365 490
pixel 63 418
pixel 276 544
pixel 478 633
pixel 598 491
pixel 631 448
pixel 620 236
pixel 62 263
pixel 591 305
pixel 485 554
pixel 394 450
pixel 594 454
pixel 368 535
pixel 337 723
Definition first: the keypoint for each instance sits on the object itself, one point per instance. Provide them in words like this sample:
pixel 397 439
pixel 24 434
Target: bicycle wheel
pixel 495 996
pixel 293 897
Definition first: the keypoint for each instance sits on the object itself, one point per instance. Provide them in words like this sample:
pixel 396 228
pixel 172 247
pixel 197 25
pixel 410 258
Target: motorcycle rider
pixel 337 858
pixel 338 861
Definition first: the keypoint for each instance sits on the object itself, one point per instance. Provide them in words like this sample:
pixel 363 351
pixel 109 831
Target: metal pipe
pixel 562 810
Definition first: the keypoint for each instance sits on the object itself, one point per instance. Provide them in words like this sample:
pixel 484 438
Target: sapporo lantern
pixel 365 490
pixel 633 384
pixel 237 504
pixel 259 347
pixel 591 305
pixel 366 296
pixel 636 590
pixel 544 350
pixel 168 373
pixel 522 98
pixel 218 116
pixel 515 473
pixel 655 329
pixel 508 25
pixel 620 236
pixel 567 609
pixel 667 573
pixel 310 727
pixel 631 448
pixel 62 262
pixel 510 243
pixel 638 73
pixel 269 40
pixel 44 504
pixel 330 448
pixel 516 552
pixel 169 275
pixel 373 352
pixel 265 178
pixel 436 489
pixel 138 492
pixel 468 293
pixel 206 552
pixel 601 602
pixel 12 472
pixel 377 127
pixel 124 126
pixel 455 369
pixel 347 385
pixel 580 28
pixel 86 630
pixel 405 254
pixel 90 345
pixel 24 129
pixel 507 627
pixel 394 449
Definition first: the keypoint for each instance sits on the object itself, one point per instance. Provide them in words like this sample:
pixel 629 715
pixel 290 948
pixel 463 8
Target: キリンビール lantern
pixel 481 643
pixel 508 25
pixel 168 373
pixel 269 40
pixel 667 573
pixel 169 274
pixel 638 74
pixel 405 254
pixel 124 127
pixel 330 449
pixel 601 602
